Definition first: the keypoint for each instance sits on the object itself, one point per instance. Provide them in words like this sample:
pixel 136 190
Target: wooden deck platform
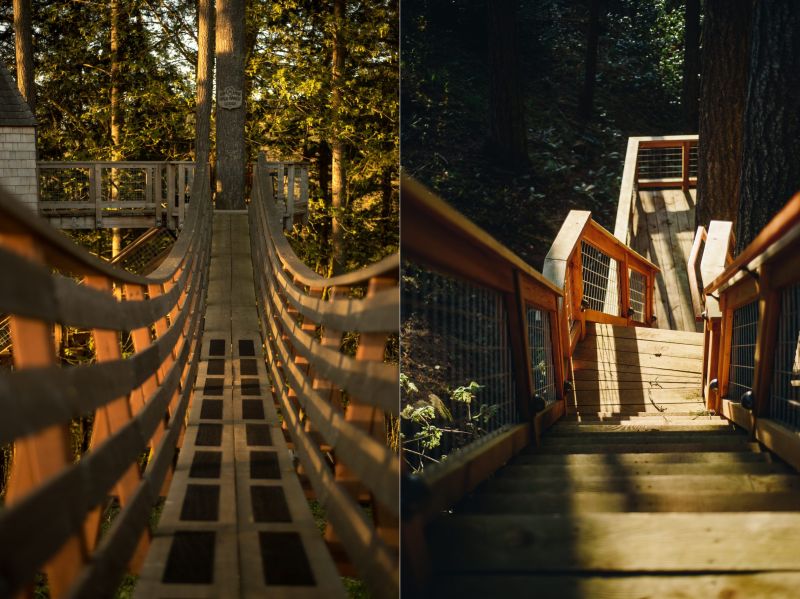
pixel 662 231
pixel 236 521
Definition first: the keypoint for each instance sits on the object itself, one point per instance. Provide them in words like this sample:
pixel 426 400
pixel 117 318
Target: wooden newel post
pixel 624 288
pixel 520 348
pixel 685 147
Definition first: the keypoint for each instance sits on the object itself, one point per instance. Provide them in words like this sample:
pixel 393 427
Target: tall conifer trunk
pixel 691 64
pixel 116 127
pixel 230 50
pixel 23 45
pixel 204 75
pixel 338 173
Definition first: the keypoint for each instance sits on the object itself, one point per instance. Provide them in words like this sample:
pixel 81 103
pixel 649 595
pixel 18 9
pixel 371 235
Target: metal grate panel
pixel 454 333
pixel 743 350
pixel 784 401
pixel 660 163
pixel 68 184
pixel 600 285
pixel 541 349
pixel 638 293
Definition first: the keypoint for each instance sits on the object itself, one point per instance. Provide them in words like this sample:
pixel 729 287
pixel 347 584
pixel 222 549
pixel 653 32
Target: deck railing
pixel 95 194
pixel 757 363
pixel 290 188
pixel 473 311
pixel 54 499
pixel 586 261
pixel 338 406
pixel 668 161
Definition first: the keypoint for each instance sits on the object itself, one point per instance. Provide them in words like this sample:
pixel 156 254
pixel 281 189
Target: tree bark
pixel 691 64
pixel 23 45
pixel 338 172
pixel 723 87
pixel 586 99
pixel 230 49
pixel 507 132
pixel 116 120
pixel 771 156
pixel 205 76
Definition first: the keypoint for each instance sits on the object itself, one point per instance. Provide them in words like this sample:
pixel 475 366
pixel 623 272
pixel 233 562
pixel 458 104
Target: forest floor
pixel 574 164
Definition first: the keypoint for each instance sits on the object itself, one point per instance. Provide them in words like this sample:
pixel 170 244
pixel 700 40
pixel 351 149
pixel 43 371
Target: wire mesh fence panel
pixel 5 333
pixel 784 401
pixel 453 334
pixel 541 348
pixel 124 185
pixel 743 350
pixel 64 185
pixel 600 280
pixel 693 161
pixel 660 163
pixel 637 283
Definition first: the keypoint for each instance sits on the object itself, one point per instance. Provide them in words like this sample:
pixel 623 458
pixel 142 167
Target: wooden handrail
pixel 51 520
pixel 312 376
pixel 759 276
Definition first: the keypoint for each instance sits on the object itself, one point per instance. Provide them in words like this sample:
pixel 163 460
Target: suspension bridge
pixel 643 428
pixel 222 405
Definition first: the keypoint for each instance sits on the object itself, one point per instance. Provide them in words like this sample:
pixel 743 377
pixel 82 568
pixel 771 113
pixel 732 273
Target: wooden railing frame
pixel 51 520
pixel 103 212
pixel 630 176
pixel 770 263
pixel 310 374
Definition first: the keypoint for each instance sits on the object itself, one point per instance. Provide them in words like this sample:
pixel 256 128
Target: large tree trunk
pixel 507 132
pixel 230 48
pixel 691 64
pixel 23 44
pixel 205 76
pixel 338 172
pixel 723 86
pixel 586 99
pixel 116 119
pixel 771 152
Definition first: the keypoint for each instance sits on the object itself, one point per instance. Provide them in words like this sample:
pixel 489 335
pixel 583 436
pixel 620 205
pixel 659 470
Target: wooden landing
pixel 236 521
pixel 628 508
pixel 627 370
pixel 662 230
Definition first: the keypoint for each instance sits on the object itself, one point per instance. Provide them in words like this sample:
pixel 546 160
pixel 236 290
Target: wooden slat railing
pixel 54 502
pixel 757 365
pixel 586 261
pixel 127 194
pixel 290 188
pixel 668 161
pixel 334 404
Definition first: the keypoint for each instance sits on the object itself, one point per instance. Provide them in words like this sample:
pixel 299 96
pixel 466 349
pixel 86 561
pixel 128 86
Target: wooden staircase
pixel 637 492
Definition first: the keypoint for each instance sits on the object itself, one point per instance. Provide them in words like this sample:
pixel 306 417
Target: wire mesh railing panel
pixel 64 185
pixel 637 293
pixel 784 401
pixel 124 185
pixel 693 161
pixel 541 348
pixel 743 350
pixel 453 334
pixel 660 163
pixel 600 280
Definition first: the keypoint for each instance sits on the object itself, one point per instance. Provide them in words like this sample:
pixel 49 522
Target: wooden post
pixel 181 194
pixel 171 195
pixel 769 311
pixel 685 165
pixel 624 288
pixel 577 286
pixel 304 191
pixel 159 193
pixel 520 346
pixel 290 198
pixel 96 182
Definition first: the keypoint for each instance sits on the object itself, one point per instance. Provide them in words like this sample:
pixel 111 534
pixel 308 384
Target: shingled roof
pixel 14 110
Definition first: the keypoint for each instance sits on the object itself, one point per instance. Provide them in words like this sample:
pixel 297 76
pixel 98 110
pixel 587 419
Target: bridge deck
pixel 662 232
pixel 236 522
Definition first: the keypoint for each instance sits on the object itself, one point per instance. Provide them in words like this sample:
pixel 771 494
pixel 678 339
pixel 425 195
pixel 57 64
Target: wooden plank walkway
pixel 663 234
pixel 632 494
pixel 236 522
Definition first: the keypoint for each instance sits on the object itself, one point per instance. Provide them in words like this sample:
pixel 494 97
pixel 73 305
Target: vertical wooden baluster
pixel 520 347
pixel 108 419
pixel 725 347
pixel 171 174
pixel 624 288
pixel 577 286
pixel 290 197
pixel 181 194
pixel 42 455
pixel 650 298
pixel 96 183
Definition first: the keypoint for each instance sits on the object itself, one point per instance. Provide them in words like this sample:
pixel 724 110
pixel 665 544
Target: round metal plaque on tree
pixel 230 98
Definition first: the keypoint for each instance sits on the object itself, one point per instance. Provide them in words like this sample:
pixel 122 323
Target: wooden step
pixel 771 585
pixel 686 408
pixel 583 471
pixel 655 437
pixel 608 346
pixel 643 419
pixel 585 354
pixel 753 454
pixel 644 333
pixel 581 502
pixel 634 542
pixel 606 372
pixel 653 447
pixel 567 429
pixel 667 483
